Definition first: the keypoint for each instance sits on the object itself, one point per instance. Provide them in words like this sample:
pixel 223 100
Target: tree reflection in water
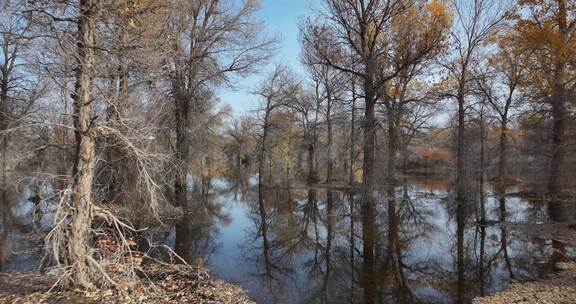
pixel 414 245
pixel 314 245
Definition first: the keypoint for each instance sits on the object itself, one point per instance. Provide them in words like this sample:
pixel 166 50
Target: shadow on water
pixel 312 245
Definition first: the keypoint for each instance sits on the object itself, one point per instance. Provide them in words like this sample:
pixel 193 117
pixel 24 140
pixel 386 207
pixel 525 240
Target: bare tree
pixel 20 86
pixel 307 106
pixel 353 37
pixel 78 249
pixel 500 85
pixel 421 30
pixel 211 40
pixel 273 93
pixel 477 21
pixel 330 93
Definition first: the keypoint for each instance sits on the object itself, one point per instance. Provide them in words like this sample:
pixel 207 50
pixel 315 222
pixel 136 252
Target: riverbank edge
pixel 555 288
pixel 26 287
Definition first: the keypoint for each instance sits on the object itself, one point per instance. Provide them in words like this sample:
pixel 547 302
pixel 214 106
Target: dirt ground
pixel 29 288
pixel 556 288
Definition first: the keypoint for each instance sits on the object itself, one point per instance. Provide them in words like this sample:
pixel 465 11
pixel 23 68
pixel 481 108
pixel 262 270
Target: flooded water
pixel 312 245
pixel 305 246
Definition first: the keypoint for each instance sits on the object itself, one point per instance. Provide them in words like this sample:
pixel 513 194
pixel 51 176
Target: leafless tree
pixel 20 87
pixel 500 86
pixel 211 40
pixel 476 21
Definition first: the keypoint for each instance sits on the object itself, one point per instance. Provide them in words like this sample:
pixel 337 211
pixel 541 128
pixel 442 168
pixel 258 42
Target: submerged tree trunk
pixel 264 230
pixel 182 151
pixel 369 233
pixel 351 193
pixel 460 225
pixel 367 200
pixel 504 235
pixel 369 140
pixel 81 218
pixel 181 180
pixel 328 247
pixel 352 246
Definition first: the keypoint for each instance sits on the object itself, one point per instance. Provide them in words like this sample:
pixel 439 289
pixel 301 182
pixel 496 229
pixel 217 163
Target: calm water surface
pixel 305 245
pixel 302 245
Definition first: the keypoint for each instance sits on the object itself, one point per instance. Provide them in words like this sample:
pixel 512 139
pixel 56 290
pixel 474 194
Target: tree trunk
pixel 81 217
pixel 4 136
pixel 369 140
pixel 559 111
pixel 312 173
pixel 181 181
pixel 460 154
pixel 182 151
pixel 367 200
pixel 262 152
pixel 393 145
pixel 330 163
pixel 120 178
pixel 559 115
pixel 352 141
pixel 502 160
pixel 481 173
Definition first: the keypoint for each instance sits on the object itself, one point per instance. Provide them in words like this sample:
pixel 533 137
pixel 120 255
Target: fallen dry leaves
pixel 186 285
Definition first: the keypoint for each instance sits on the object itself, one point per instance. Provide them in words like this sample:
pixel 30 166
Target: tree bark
pixel 352 141
pixel 312 172
pixel 460 152
pixel 369 138
pixel 120 178
pixel 81 217
pixel 329 161
pixel 503 159
pixel 182 152
pixel 4 138
pixel 262 152
pixel 4 88
pixel 182 113
pixel 559 115
pixel 393 145
pixel 559 111
pixel 367 201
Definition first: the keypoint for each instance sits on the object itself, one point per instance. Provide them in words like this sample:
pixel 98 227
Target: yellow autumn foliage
pixel 546 34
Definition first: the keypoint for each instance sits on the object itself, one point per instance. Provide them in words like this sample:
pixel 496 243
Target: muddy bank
pixel 556 288
pixel 163 289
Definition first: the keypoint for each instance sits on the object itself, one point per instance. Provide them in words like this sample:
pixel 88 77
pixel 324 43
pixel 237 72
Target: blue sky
pixel 281 18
